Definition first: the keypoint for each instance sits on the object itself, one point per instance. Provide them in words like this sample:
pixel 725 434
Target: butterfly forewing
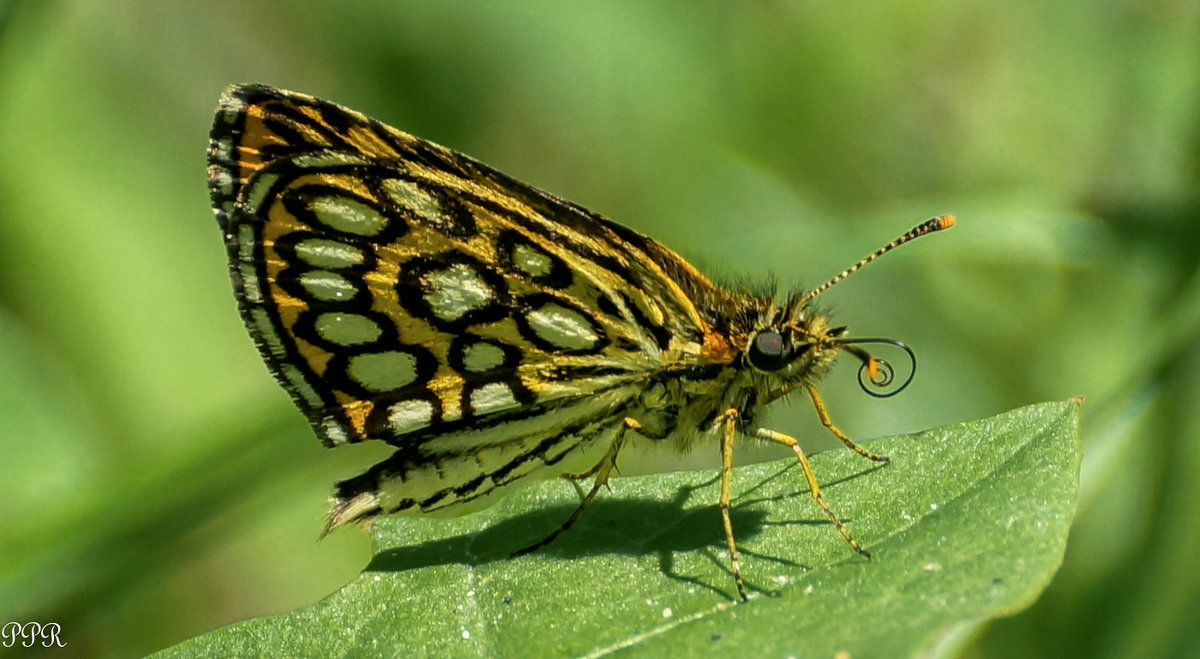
pixel 403 292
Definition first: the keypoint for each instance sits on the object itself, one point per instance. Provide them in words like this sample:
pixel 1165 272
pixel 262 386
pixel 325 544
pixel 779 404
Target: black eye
pixel 769 351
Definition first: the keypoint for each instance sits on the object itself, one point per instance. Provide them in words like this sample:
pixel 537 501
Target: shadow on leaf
pixel 607 527
pixel 631 527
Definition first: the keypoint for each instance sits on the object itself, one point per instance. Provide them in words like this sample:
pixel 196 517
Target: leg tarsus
pixel 565 525
pixel 601 471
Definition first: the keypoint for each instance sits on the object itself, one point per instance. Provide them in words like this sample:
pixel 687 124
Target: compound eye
pixel 769 351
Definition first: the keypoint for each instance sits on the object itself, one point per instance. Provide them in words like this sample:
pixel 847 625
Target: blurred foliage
pixel 156 483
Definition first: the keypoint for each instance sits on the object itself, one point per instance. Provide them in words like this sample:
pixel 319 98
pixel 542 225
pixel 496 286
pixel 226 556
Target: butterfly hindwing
pixel 403 292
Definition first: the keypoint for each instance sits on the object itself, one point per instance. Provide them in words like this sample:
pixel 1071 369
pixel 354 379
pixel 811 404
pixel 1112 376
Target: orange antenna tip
pixel 928 226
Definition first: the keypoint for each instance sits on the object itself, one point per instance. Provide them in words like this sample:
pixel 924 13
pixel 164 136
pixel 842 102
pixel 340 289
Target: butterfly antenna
pixel 928 226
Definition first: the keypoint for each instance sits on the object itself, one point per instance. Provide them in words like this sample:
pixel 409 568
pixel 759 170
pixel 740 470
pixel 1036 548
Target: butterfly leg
pixel 813 487
pixel 602 471
pixel 828 423
pixel 589 473
pixel 728 421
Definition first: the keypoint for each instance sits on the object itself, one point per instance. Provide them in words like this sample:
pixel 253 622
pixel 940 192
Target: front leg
pixel 814 487
pixel 823 414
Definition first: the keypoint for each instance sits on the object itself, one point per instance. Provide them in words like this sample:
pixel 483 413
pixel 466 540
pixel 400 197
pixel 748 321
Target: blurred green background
pixel 156 483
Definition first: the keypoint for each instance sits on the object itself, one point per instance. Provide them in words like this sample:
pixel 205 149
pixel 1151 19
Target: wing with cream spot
pixel 403 292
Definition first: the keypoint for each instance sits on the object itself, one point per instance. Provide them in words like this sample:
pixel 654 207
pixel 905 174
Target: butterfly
pixel 493 334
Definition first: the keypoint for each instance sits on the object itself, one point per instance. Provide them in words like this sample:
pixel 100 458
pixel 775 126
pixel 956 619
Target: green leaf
pixel 967 523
